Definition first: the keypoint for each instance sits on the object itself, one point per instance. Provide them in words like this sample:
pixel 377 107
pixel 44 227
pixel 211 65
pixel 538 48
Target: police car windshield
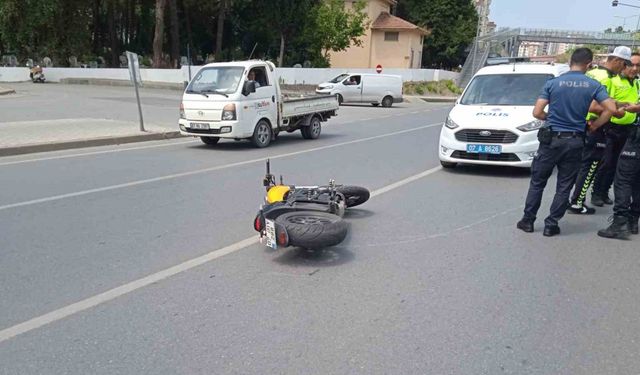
pixel 505 89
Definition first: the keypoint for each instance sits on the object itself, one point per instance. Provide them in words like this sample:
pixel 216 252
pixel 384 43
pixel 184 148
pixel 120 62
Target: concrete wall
pixel 177 76
pixel 14 74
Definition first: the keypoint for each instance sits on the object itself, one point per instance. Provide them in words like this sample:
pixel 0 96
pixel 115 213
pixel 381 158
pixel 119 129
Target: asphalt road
pixel 432 279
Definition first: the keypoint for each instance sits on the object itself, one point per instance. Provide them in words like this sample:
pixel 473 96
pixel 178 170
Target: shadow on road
pixel 490 171
pixel 329 257
pixel 357 213
pixel 243 145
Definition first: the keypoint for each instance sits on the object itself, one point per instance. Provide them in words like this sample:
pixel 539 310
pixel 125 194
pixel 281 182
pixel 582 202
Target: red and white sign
pixel 379 69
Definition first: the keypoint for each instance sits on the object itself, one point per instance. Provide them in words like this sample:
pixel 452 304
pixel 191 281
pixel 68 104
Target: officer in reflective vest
pixel 624 91
pixel 569 97
pixel 596 140
pixel 626 186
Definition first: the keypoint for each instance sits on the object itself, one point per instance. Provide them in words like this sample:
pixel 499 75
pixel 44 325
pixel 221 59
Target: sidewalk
pixel 6 91
pixel 24 137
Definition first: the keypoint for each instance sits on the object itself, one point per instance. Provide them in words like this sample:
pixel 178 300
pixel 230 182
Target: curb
pixel 4 91
pixel 91 142
pixel 443 99
pixel 122 83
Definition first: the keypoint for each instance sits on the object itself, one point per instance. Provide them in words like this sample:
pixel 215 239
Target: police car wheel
pixel 210 140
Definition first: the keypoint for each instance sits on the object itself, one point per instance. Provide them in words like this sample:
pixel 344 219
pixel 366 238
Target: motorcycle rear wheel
pixel 313 229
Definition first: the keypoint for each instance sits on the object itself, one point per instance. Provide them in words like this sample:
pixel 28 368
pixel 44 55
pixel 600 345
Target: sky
pixel 593 15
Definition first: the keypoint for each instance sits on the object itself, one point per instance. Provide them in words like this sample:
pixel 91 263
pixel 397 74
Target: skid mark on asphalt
pixel 119 291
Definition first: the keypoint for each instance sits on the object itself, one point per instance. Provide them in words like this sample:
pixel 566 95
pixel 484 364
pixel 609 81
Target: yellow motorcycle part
pixel 277 193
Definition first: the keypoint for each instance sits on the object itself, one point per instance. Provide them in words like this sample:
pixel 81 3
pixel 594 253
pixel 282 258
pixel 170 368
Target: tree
pixel 453 26
pixel 335 28
pixel 287 17
pixel 158 39
pixel 174 34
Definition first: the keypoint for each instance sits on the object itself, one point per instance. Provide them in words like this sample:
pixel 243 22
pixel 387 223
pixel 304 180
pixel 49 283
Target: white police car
pixel 492 122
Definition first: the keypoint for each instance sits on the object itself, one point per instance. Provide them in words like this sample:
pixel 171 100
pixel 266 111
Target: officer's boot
pixel 617 229
pixel 633 223
pixel 597 200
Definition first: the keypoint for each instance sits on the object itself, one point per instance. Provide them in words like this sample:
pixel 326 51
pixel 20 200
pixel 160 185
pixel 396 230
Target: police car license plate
pixel 484 149
pixel 270 231
pixel 199 125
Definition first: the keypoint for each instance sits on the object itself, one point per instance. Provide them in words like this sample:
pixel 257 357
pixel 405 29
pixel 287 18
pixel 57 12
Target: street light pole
pixel 615 3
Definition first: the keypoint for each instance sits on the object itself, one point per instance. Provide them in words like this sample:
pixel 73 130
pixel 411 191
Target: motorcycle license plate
pixel 199 125
pixel 270 231
pixel 484 149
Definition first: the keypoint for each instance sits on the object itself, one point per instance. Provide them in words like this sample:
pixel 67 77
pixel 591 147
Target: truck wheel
pixel 313 229
pixel 387 101
pixel 209 140
pixel 448 164
pixel 313 130
pixel 340 99
pixel 262 134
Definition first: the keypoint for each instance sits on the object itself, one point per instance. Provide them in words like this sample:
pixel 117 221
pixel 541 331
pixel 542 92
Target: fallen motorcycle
pixel 305 216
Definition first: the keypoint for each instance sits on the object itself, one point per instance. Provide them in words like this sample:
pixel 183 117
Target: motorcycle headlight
pixel 533 125
pixel 449 123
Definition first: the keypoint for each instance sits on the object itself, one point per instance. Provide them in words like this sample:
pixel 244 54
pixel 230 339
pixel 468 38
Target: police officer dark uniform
pixel 625 90
pixel 562 139
pixel 595 144
pixel 626 188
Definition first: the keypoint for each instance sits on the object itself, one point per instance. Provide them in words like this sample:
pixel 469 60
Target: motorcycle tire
pixel 355 195
pixel 313 229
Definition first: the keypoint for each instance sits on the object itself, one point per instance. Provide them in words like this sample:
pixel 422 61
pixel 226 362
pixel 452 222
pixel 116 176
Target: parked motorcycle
pixel 36 73
pixel 305 216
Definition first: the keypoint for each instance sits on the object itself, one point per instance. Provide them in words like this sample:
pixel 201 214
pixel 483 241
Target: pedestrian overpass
pixel 507 41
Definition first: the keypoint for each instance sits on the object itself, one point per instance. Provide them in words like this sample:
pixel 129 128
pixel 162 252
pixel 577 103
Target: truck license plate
pixel 199 125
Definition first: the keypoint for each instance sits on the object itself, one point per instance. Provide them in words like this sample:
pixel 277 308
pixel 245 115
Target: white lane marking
pixel 94 153
pixel 205 170
pixel 119 291
pixel 334 123
pixel 406 181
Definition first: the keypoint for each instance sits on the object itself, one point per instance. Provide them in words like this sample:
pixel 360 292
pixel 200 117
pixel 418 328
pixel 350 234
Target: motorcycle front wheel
pixel 354 195
pixel 313 229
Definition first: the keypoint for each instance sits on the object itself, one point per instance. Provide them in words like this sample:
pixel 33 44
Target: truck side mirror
pixel 248 88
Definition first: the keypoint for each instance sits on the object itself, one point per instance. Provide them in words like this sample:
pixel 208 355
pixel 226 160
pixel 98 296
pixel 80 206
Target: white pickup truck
pixel 242 100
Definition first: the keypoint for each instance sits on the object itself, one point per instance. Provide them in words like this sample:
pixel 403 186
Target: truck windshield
pixel 216 80
pixel 505 89
pixel 339 78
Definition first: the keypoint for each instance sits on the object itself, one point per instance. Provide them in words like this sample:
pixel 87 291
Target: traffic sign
pixel 379 69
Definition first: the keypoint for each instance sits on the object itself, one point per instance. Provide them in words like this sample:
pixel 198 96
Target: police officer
pixel 595 144
pixel 625 90
pixel 626 187
pixel 562 139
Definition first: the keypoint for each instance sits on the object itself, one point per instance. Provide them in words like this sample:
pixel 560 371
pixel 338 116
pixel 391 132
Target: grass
pixel 439 88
